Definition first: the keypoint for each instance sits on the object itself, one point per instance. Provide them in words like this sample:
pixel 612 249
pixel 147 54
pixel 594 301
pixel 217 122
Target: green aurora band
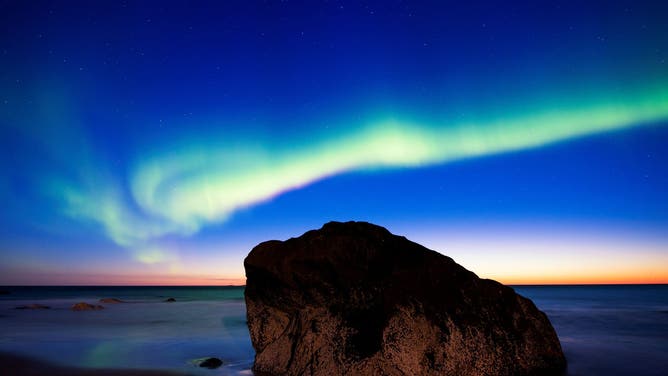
pixel 180 191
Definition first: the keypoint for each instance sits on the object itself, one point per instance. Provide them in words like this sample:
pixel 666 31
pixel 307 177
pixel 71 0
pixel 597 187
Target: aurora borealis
pixel 157 144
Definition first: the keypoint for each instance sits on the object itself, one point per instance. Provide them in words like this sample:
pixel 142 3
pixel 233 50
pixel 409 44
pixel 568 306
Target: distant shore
pixel 19 365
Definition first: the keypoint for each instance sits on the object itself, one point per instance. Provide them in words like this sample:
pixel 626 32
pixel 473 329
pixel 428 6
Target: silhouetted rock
pixel 170 300
pixel 86 307
pixel 351 298
pixel 211 363
pixel 111 301
pixel 33 306
pixel 4 292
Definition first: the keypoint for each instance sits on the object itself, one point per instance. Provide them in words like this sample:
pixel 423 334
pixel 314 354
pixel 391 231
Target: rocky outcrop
pixel 170 300
pixel 111 301
pixel 86 307
pixel 351 298
pixel 211 363
pixel 33 306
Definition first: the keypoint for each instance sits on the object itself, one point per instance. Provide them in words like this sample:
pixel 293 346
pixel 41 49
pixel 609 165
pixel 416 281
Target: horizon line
pixel 512 284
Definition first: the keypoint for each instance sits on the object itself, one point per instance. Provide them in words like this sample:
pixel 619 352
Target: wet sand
pixel 18 365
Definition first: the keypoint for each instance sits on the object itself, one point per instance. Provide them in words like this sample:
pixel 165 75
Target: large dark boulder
pixel 351 298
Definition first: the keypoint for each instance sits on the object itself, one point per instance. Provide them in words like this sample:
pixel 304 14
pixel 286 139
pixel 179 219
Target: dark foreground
pixel 16 365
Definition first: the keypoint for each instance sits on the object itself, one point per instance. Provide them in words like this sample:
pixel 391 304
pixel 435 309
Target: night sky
pixel 158 142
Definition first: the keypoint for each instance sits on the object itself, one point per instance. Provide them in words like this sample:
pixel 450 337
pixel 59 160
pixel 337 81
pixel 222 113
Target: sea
pixel 604 330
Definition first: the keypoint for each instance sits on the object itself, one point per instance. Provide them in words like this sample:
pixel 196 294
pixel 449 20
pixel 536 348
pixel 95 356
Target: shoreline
pixel 21 365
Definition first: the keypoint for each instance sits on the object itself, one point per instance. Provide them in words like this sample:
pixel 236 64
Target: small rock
pixel 86 307
pixel 170 300
pixel 211 363
pixel 111 301
pixel 33 306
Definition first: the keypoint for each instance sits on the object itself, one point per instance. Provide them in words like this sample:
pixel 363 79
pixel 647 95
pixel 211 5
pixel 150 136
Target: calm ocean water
pixel 604 330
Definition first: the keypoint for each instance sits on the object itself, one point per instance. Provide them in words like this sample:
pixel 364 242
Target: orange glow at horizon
pixel 578 269
pixel 544 254
pixel 521 255
pixel 655 274
pixel 85 279
pixel 597 279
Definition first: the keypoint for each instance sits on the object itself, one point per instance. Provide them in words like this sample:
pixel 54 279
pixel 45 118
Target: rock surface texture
pixel 351 298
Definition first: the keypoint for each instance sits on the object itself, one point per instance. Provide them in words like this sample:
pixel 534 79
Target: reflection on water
pixel 145 332
pixel 604 330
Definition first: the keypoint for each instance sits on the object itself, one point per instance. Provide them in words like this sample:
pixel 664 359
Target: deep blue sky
pixel 147 142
